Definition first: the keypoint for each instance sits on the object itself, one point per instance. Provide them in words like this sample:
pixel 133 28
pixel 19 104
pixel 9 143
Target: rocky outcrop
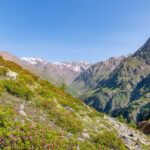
pixel 144 126
pixel 132 138
pixel 21 110
pixel 12 75
pixel 144 52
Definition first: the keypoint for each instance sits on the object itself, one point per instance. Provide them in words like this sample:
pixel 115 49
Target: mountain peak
pixel 144 52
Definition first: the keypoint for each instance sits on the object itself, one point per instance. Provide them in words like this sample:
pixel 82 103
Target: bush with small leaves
pixel 108 139
pixel 18 89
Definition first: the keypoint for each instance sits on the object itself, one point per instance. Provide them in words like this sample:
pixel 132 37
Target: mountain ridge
pixel 113 95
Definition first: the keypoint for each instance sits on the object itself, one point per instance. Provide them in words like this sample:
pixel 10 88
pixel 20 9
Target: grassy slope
pixel 34 114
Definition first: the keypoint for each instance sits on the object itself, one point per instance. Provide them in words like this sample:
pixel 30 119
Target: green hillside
pixel 34 114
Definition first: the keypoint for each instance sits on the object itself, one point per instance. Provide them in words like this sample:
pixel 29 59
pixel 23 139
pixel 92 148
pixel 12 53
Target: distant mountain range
pixel 56 72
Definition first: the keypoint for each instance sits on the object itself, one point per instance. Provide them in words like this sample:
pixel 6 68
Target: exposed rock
pixel 12 75
pixel 69 135
pixel 144 126
pixel 131 137
pixel 80 139
pixel 78 148
pixel 85 135
pixel 22 121
pixel 42 118
pixel 21 110
pixel 22 113
pixel 69 108
pixel 138 147
pixel 22 106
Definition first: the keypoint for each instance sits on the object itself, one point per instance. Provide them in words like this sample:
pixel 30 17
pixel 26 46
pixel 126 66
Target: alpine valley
pixel 107 106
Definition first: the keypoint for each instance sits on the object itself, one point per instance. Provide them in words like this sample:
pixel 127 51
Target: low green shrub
pixel 46 93
pixel 14 135
pixel 129 123
pixel 29 135
pixel 94 113
pixel 108 139
pixel 68 121
pixel 132 124
pixel 18 89
pixel 121 119
pixel 3 71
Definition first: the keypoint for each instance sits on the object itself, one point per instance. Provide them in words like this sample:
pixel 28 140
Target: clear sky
pixel 58 30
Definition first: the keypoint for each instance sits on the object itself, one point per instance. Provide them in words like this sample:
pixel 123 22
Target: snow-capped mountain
pixel 32 61
pixel 74 66
pixel 58 72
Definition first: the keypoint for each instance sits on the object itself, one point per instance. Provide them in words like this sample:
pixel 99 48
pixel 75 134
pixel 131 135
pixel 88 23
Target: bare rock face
pixel 85 134
pixel 144 126
pixel 144 52
pixel 131 137
pixel 12 75
pixel 21 110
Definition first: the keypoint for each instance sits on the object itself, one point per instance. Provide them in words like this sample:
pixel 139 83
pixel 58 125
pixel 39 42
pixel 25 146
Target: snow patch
pixel 32 61
pixel 75 66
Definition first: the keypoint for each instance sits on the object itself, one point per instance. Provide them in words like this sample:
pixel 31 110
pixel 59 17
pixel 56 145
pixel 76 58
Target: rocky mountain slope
pixel 126 91
pixel 89 79
pixel 56 72
pixel 34 114
pixel 61 72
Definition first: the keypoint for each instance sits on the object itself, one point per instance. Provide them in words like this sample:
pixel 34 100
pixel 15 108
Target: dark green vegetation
pixel 34 114
pixel 125 90
pixel 125 121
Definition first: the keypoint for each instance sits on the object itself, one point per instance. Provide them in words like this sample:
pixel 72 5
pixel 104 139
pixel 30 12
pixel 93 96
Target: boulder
pixel 12 75
pixel 85 135
pixel 144 126
pixel 21 110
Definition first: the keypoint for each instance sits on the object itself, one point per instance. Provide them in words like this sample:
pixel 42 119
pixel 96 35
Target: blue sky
pixel 58 30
